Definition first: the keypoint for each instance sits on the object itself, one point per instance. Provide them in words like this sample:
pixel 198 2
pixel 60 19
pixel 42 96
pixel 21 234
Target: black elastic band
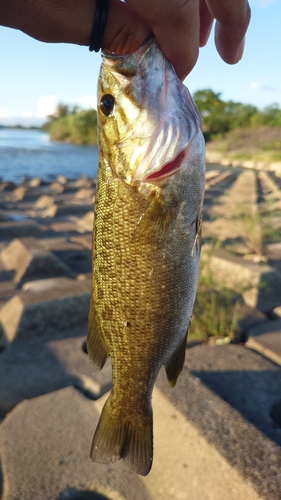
pixel 98 30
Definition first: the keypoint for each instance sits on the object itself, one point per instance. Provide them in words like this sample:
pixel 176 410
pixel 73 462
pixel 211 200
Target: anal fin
pixel 175 364
pixel 96 346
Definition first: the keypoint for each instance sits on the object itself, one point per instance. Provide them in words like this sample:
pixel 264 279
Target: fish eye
pixel 107 104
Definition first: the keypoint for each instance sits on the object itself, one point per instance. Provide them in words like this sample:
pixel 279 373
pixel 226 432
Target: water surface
pixel 31 153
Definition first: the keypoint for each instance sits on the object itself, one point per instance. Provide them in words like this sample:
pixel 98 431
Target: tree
pixel 214 115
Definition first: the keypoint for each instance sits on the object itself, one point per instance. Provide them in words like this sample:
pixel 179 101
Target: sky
pixel 35 76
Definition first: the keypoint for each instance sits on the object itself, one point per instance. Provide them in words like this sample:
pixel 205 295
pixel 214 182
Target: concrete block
pixel 56 430
pixel 269 186
pixel 44 201
pixel 83 182
pixel 57 210
pixel 259 284
pixel 34 313
pixel 32 367
pixel 56 187
pixel 83 240
pixel 19 193
pixel 266 339
pixel 62 179
pixel 25 228
pixel 242 196
pixel 250 317
pixel 76 256
pixel 228 393
pixel 85 193
pixel 273 253
pixel 66 227
pixel 30 260
pixel 7 186
pixel 45 446
pixel 277 311
pixel 87 221
pixel 7 290
pixel 36 182
pixel 223 443
pixel 25 194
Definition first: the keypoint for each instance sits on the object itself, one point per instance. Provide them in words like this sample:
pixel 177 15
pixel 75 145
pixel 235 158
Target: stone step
pixel 259 284
pixel 74 254
pixel 87 221
pixel 44 201
pixel 85 194
pixel 266 339
pixel 23 193
pixel 39 311
pixel 67 227
pixel 60 210
pixel 32 367
pixel 30 259
pixel 224 443
pixel 222 178
pixel 242 196
pixel 83 182
pixel 24 228
pixel 269 186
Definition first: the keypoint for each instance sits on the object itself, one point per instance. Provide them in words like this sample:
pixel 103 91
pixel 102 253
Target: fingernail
pixel 240 50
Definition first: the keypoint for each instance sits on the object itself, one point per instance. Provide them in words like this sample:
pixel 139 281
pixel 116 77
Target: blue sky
pixel 36 76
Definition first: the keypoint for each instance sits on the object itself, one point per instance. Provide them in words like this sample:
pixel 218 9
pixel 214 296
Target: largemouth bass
pixel 146 242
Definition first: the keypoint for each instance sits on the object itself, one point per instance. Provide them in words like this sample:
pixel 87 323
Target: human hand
pixel 180 26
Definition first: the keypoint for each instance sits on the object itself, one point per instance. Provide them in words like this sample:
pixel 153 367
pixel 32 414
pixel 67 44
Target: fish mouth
pixel 168 169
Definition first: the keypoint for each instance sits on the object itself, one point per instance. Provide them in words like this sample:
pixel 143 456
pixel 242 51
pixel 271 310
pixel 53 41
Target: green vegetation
pixel 72 125
pixel 220 117
pixel 257 230
pixel 216 308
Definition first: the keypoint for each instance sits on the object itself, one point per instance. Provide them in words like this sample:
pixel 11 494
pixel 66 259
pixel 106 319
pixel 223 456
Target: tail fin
pixel 115 439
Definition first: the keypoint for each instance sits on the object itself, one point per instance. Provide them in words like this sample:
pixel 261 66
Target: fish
pixel 146 242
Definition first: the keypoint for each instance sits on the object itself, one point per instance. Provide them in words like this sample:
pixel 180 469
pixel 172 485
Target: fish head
pixel 147 118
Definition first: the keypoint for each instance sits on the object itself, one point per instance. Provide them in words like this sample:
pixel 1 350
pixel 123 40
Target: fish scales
pixel 145 254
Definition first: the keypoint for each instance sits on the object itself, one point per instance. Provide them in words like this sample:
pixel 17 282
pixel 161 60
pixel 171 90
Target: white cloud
pixel 264 3
pixel 263 86
pixel 88 101
pixel 28 114
pixel 47 105
pixel 4 113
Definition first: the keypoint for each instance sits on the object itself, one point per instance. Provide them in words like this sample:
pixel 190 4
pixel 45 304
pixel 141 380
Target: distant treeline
pixel 219 117
pixel 71 124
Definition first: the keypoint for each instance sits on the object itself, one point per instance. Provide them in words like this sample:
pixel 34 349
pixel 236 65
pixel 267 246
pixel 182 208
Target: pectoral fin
pixel 97 349
pixel 157 219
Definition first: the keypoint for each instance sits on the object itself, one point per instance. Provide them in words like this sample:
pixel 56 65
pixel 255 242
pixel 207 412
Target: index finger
pixel 175 25
pixel 232 22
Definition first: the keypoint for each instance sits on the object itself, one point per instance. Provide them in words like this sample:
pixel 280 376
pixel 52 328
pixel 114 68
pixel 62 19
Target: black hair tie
pixel 98 30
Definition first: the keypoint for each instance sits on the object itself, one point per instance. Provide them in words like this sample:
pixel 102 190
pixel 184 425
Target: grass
pixel 216 309
pixel 257 144
pixel 257 230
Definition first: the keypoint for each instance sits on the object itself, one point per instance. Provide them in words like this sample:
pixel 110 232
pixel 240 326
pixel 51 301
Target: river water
pixel 31 153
